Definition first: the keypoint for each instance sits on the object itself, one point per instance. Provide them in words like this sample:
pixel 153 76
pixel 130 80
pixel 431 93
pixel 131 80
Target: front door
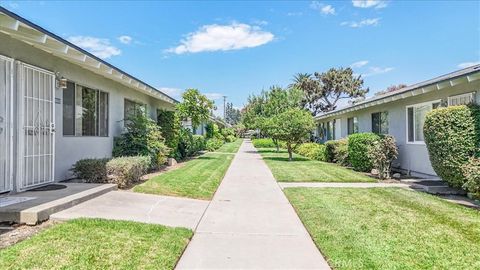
pixel 36 126
pixel 6 86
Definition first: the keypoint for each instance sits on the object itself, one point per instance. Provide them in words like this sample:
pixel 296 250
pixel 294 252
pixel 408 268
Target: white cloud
pixel 376 70
pixel 290 14
pixel 214 96
pixel 260 22
pixel 97 46
pixel 468 64
pixel 125 39
pixel 359 64
pixel 216 37
pixel 173 92
pixel 369 3
pixel 324 9
pixel 362 23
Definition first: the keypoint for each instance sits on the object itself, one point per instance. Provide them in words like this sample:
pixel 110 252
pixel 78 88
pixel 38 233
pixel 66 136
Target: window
pixel 330 130
pixel 380 122
pixel 85 111
pixel 416 119
pixel 352 125
pixel 131 108
pixel 462 99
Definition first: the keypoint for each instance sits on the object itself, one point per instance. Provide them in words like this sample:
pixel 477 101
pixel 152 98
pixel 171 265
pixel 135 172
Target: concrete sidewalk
pixel 250 224
pixel 124 205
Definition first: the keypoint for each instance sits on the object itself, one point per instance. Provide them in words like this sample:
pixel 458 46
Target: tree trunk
pixel 289 148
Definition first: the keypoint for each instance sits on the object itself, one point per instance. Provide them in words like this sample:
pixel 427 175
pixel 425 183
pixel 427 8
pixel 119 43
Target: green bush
pixel 226 132
pixel 142 138
pixel 452 136
pixel 169 123
pixel 312 151
pixel 471 172
pixel 125 171
pixel 382 153
pixel 212 130
pixel 358 147
pixel 337 151
pixel 213 144
pixel 199 144
pixel 92 170
pixel 230 138
pixel 263 143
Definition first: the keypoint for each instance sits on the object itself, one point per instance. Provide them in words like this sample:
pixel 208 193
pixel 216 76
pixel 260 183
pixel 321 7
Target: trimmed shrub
pixel 312 151
pixel 452 136
pixel 263 143
pixel 125 171
pixel 92 170
pixel 471 172
pixel 358 147
pixel 169 123
pixel 199 144
pixel 337 151
pixel 382 153
pixel 213 144
pixel 142 138
pixel 212 130
pixel 230 138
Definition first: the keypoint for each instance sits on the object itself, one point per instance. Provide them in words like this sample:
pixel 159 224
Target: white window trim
pixel 406 120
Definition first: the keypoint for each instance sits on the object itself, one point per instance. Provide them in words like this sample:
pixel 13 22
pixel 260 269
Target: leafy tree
pixel 232 115
pixel 322 91
pixel 292 126
pixel 195 106
pixel 253 110
pixel 169 123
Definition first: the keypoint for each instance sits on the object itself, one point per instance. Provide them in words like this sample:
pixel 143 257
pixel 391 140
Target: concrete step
pixel 42 212
pixel 433 186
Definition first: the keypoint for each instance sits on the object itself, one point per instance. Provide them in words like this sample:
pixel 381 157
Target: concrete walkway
pixel 124 205
pixel 340 185
pixel 250 224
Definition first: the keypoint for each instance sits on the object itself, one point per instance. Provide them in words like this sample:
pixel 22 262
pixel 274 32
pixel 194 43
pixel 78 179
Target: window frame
pixel 471 95
pixel 98 91
pixel 415 142
pixel 354 121
pixel 380 126
pixel 135 102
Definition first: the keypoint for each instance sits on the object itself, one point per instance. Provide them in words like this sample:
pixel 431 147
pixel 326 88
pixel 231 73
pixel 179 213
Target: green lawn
pixel 199 178
pixel 230 147
pixel 388 228
pixel 99 244
pixel 302 169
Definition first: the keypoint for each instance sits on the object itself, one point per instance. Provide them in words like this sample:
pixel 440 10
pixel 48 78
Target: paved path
pixel 340 185
pixel 124 205
pixel 250 224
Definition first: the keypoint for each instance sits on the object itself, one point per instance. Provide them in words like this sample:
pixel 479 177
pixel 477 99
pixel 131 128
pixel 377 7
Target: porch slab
pixel 45 203
pixel 148 208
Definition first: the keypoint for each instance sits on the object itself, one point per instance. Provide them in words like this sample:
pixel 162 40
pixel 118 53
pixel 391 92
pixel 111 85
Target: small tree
pixel 293 127
pixel 195 106
pixel 382 153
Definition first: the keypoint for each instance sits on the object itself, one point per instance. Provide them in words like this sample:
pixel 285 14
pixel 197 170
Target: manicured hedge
pixel 125 171
pixel 91 170
pixel 213 144
pixel 312 151
pixel 471 171
pixel 452 136
pixel 358 147
pixel 337 151
pixel 263 143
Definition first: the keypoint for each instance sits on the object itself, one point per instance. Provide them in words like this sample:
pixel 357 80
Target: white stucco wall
pixel 412 157
pixel 69 149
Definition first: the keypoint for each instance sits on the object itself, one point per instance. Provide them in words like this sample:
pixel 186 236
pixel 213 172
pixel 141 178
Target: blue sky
pixel 239 48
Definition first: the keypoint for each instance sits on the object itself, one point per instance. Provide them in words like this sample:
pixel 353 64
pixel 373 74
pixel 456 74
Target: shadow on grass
pixel 204 157
pixel 269 151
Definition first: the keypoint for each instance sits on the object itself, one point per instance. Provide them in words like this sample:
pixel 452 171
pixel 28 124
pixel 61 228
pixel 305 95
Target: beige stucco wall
pixel 69 149
pixel 412 157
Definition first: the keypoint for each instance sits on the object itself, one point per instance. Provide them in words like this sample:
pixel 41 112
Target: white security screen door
pixel 6 86
pixel 36 126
